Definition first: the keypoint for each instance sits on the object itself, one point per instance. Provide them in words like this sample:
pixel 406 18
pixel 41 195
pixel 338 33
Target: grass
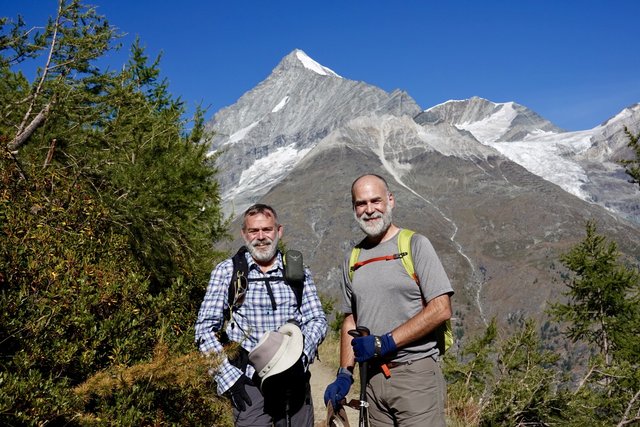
pixel 329 354
pixel 329 350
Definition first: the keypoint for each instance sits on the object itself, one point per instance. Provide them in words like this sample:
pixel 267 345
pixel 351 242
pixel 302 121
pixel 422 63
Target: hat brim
pixel 336 418
pixel 293 350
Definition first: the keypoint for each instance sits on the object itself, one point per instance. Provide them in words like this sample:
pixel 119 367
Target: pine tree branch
pixel 18 165
pixel 26 130
pixel 585 379
pixel 626 421
pixel 21 137
pixel 52 148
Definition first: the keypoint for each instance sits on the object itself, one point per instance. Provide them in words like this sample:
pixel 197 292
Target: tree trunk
pixel 22 137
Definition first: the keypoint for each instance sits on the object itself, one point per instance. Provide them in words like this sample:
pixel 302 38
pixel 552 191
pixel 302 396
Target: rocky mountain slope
pixel 500 191
pixel 584 163
pixel 282 118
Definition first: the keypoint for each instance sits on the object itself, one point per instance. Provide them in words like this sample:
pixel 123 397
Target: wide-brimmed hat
pixel 277 351
pixel 336 418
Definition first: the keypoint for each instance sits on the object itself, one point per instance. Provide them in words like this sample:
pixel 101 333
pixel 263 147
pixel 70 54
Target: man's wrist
pixel 343 370
pixel 387 344
pixel 377 346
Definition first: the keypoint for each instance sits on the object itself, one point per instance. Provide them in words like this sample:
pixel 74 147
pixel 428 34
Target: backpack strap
pixel 359 264
pixel 294 274
pixel 239 283
pixel 404 247
pixel 445 332
pixel 236 292
pixel 353 260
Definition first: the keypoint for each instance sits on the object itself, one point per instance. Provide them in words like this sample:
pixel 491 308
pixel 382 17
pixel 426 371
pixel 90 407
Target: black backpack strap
pixel 267 282
pixel 294 274
pixel 238 279
pixel 297 288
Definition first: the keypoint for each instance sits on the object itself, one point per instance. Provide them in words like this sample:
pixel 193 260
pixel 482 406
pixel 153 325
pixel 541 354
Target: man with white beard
pixel 263 305
pixel 405 385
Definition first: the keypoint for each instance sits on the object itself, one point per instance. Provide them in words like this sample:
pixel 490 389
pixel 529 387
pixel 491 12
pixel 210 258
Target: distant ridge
pixel 500 191
pixel 489 121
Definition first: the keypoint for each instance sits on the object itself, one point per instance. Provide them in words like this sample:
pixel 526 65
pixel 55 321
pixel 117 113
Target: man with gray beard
pixel 405 385
pixel 266 305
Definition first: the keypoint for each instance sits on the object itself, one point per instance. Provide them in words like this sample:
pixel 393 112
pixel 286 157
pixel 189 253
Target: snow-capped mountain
pixel 273 126
pixel 499 190
pixel 280 120
pixel 584 163
pixel 488 121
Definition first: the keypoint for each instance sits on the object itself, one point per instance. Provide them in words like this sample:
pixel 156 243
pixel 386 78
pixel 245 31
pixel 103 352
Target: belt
pixel 375 367
pixel 392 365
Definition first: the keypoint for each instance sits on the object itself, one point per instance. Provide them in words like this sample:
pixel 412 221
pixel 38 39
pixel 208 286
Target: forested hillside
pixel 109 213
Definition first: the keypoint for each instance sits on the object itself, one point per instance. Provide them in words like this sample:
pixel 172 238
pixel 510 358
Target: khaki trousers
pixel 414 395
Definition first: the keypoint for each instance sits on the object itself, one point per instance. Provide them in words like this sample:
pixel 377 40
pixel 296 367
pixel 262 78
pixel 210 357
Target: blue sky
pixel 576 63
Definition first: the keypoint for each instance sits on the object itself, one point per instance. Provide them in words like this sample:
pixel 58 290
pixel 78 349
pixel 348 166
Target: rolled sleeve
pixel 226 375
pixel 210 321
pixel 314 321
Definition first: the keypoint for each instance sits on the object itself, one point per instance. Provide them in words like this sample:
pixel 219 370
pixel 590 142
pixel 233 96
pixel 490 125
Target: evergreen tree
pixel 504 381
pixel 67 80
pixel 603 310
pixel 470 376
pixel 526 381
pixel 109 210
pixel 603 305
pixel 633 165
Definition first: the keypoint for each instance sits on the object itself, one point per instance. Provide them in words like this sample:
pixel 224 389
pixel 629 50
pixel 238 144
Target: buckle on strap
pixel 359 264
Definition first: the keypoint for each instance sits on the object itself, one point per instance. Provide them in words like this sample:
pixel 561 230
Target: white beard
pixel 262 250
pixel 377 228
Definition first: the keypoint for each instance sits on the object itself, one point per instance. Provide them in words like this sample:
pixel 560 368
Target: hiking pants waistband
pixel 375 367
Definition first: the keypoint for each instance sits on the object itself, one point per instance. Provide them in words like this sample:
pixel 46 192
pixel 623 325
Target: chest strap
pixel 359 264
pixel 267 281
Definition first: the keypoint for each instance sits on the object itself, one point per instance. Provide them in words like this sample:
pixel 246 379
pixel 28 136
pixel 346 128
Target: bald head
pixel 372 207
pixel 368 179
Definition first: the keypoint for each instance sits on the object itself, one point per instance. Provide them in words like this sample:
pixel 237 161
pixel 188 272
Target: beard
pixel 376 228
pixel 262 250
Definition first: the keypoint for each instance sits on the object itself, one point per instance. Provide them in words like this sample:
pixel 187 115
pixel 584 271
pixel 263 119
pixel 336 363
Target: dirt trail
pixel 321 376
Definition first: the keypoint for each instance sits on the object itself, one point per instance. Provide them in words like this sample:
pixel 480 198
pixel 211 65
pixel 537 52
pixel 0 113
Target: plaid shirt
pixel 256 316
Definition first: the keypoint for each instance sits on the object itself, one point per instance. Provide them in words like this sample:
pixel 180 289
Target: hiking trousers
pixel 414 395
pixel 256 415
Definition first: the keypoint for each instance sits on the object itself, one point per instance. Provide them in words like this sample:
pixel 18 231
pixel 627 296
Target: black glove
pixel 238 394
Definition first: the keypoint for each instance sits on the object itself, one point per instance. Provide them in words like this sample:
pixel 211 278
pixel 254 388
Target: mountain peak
pixel 298 57
pixel 623 115
pixel 489 121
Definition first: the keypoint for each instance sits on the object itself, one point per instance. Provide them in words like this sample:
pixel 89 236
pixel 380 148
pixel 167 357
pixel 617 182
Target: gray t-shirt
pixel 385 296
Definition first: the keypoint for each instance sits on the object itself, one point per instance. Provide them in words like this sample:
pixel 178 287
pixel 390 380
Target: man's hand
pixel 238 394
pixel 337 390
pixel 369 346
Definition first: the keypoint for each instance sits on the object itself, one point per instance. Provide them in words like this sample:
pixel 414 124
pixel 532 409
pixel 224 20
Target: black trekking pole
pixel 362 331
pixel 287 411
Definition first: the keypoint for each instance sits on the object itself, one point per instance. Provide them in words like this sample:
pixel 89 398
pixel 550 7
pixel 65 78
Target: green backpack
pixel 444 332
